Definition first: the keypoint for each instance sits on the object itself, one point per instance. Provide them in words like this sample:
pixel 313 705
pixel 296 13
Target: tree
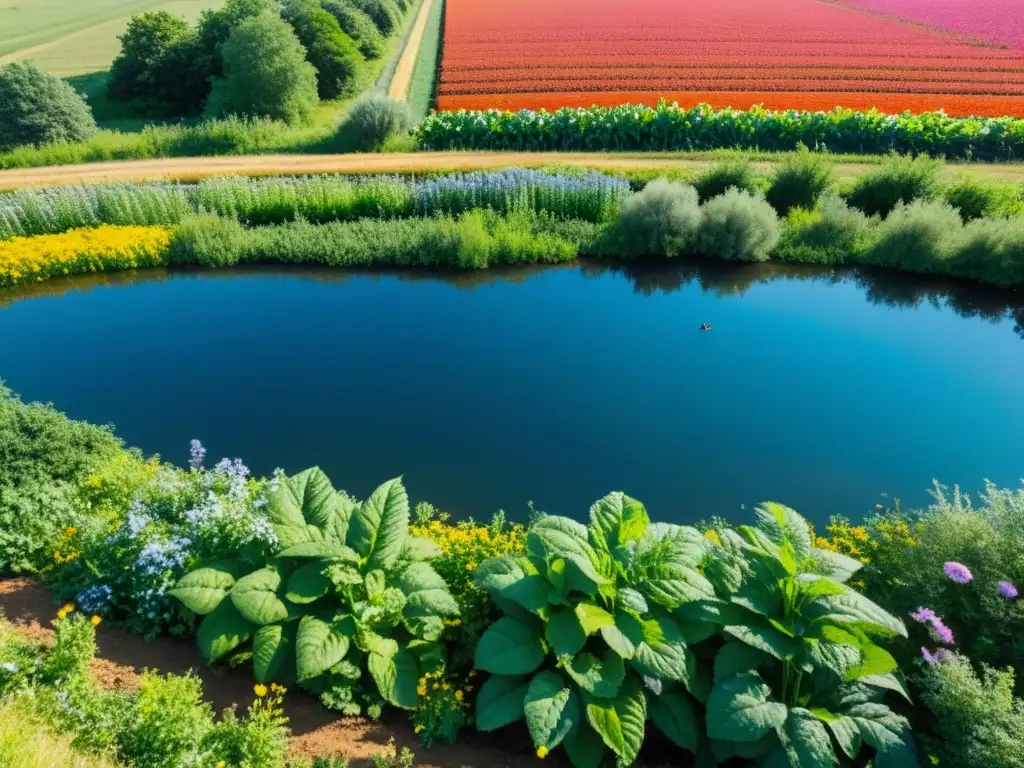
pixel 333 53
pixel 155 67
pixel 216 26
pixel 357 25
pixel 384 14
pixel 265 73
pixel 37 108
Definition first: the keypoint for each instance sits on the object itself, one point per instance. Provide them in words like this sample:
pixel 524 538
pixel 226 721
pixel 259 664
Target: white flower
pixel 9 666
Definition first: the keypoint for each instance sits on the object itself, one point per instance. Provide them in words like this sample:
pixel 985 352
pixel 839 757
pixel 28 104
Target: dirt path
pixel 122 657
pixel 402 78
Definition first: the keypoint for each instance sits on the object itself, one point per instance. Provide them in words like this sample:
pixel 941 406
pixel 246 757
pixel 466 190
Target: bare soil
pixel 316 732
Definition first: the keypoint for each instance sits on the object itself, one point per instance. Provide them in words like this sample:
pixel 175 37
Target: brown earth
pixel 122 656
pixel 194 168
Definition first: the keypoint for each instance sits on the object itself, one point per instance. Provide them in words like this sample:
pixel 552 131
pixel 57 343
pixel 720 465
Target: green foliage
pixel 37 108
pixel 170 719
pixel 265 74
pixel 33 516
pixel 832 233
pixel 799 181
pixel 384 14
pixel 332 53
pixel 976 720
pixel 349 596
pixel 373 119
pixel 207 240
pixel 898 180
pixel 725 175
pixel 663 219
pixel 155 68
pixel 919 237
pixel 738 226
pixel 357 25
pixel 215 28
pixel 991 250
pixel 977 198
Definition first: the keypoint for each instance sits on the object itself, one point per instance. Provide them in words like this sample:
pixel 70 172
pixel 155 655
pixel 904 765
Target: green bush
pixel 332 52
pixel 975 721
pixel 373 119
pixel 991 250
pixel 663 219
pixel 357 25
pixel 208 241
pixel 738 226
pixel 725 175
pixel 34 516
pixel 799 181
pixel 897 180
pixel 37 108
pixel 977 198
pixel 168 724
pixel 155 67
pixel 832 233
pixel 919 237
pixel 384 14
pixel 265 74
pixel 216 26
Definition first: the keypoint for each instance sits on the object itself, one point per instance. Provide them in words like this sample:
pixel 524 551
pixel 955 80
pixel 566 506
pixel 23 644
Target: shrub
pixel 349 595
pixel 383 13
pixel 897 180
pixel 332 53
pixel 975 721
pixel 34 517
pixel 661 220
pixel 832 233
pixel 357 25
pixel 738 226
pixel 168 723
pixel 374 118
pixel 215 27
pixel 725 175
pixel 265 74
pixel 38 108
pixel 208 241
pixel 155 67
pixel 919 237
pixel 992 250
pixel 799 181
pixel 977 198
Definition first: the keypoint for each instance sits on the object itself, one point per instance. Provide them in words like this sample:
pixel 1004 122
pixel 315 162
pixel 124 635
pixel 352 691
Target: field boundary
pixel 401 82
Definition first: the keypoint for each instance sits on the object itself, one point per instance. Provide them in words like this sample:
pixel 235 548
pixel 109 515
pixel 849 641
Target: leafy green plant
pixel 596 635
pixel 800 671
pixel 662 219
pixel 897 180
pixel 349 595
pixel 725 175
pixel 799 181
pixel 738 226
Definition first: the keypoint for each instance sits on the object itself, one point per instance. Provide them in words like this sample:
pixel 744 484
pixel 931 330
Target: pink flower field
pixel 996 21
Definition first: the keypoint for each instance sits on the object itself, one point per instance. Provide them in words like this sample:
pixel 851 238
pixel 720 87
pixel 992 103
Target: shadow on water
pixel 880 287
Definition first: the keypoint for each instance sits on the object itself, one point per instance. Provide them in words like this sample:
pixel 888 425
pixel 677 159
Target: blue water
pixel 832 393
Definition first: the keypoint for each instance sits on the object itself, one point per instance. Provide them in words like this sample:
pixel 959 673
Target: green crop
pixel 349 594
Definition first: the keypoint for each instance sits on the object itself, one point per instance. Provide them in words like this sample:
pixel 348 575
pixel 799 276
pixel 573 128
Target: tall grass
pixel 25 742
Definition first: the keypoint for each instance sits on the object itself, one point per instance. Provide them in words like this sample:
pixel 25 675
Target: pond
pixel 830 391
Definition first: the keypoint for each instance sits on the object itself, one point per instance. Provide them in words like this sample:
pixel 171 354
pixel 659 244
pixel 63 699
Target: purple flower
pixel 941 656
pixel 923 615
pixel 958 572
pixel 940 632
pixel 929 656
pixel 197 455
pixel 1007 590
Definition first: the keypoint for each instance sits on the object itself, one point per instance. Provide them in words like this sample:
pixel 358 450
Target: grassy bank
pixel 424 78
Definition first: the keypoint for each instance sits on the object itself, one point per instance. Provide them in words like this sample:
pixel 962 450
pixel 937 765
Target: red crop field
pixel 785 54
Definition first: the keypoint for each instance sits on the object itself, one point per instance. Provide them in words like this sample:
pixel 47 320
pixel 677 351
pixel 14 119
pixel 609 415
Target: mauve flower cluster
pixel 939 632
pixel 958 572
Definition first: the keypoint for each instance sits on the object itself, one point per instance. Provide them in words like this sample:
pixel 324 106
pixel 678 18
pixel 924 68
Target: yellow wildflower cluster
pixel 712 535
pixel 465 545
pixel 64 553
pixel 106 248
pixel 846 539
pixel 65 611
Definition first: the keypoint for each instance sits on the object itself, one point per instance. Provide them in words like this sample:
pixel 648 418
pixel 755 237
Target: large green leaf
pixel 320 547
pixel 396 677
pixel 624 635
pixel 379 527
pixel 874 660
pixel 559 537
pixel 259 597
pixel 203 589
pixel 617 520
pixel 739 709
pixel 564 633
pixel 662 652
pixel 764 638
pixel 673 714
pixel 426 592
pixel 532 592
pixel 308 583
pixel 847 734
pixel 306 508
pixel 735 659
pixel 887 732
pixel 593 617
pixel 780 523
pixel 497 573
pixel 620 721
pixel 552 709
pixel 803 743
pixel 892 681
pixel 222 631
pixel 273 653
pixel 680 585
pixel 501 701
pixel 318 647
pixel 836 566
pixel 854 609
pixel 601 678
pixel 509 647
pixel 584 747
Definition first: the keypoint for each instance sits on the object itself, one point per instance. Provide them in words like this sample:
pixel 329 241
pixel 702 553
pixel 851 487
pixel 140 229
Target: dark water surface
pixel 830 392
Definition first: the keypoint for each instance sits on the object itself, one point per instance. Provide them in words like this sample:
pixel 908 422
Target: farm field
pixel 994 21
pixel 786 54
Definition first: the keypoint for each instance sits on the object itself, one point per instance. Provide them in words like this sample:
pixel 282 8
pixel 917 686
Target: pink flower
pixel 958 572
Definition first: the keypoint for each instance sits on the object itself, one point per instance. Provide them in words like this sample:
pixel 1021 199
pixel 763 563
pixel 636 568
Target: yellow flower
pixel 418 729
pixel 279 689
pixel 436 686
pixel 95 620
pixel 221 764
pixel 712 536
pixel 459 695
pixel 422 691
pixel 260 690
pixel 542 752
pixel 445 687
